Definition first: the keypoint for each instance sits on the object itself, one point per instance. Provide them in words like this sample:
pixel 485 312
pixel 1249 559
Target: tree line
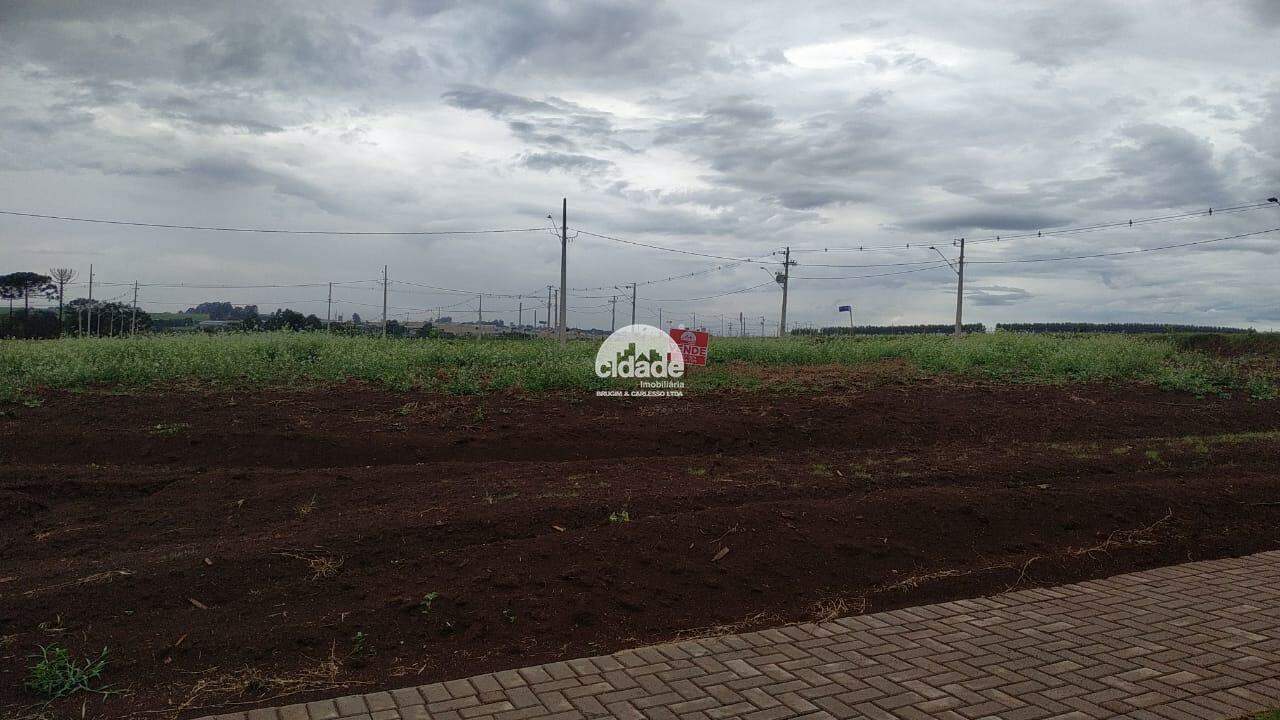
pixel 80 316
pixel 1129 328
pixel 890 330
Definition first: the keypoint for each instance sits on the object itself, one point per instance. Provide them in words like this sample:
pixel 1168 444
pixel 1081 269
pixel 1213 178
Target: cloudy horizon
pixel 719 129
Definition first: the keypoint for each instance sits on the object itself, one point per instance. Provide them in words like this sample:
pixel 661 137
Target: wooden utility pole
pixel 133 317
pixel 786 281
pixel 384 301
pixel 564 277
pixel 960 292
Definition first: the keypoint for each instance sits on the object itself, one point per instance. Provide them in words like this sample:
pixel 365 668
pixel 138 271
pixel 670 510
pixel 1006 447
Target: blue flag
pixel 845 308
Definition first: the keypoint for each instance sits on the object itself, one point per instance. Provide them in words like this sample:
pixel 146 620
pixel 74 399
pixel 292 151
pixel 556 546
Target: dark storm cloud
pixel 987 219
pixel 565 161
pixel 552 123
pixel 495 102
pixel 1266 12
pixel 1057 36
pixel 1162 166
pixel 995 295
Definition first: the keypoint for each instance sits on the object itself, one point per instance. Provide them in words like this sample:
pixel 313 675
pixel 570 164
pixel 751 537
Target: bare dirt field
pixel 258 548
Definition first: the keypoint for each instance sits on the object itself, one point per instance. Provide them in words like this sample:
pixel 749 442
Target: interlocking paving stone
pixel 1200 640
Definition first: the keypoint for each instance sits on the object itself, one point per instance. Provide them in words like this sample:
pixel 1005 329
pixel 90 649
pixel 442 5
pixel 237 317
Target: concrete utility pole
pixel 133 317
pixel 786 281
pixel 520 314
pixel 384 301
pixel 564 261
pixel 660 326
pixel 548 307
pixel 761 326
pixel 742 324
pixel 633 304
pixel 328 311
pixel 480 311
pixel 613 314
pixel 960 293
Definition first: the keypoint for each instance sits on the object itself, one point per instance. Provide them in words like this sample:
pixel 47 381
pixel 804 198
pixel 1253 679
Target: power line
pixel 672 250
pixel 1124 252
pixel 935 266
pixel 1135 222
pixel 710 297
pixel 276 231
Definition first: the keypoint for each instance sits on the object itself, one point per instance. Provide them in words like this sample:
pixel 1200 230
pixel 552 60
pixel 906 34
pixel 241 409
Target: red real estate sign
pixel 693 344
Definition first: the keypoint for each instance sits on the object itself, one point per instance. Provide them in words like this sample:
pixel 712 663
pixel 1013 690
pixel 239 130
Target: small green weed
pixel 619 516
pixel 697 471
pixel 56 675
pixel 169 429
pixel 359 645
pixel 509 616
pixel 425 606
pixel 408 408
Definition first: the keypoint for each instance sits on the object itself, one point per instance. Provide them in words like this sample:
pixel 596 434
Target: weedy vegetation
pixel 482 366
pixel 57 675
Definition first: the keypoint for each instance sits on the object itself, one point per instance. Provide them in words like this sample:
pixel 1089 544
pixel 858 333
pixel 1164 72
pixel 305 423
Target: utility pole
pixel 564 261
pixel 520 315
pixel 633 304
pixel 133 317
pixel 786 280
pixel 960 293
pixel 695 320
pixel 742 324
pixel 660 326
pixel 480 311
pixel 328 311
pixel 384 301
pixel 761 326
pixel 613 314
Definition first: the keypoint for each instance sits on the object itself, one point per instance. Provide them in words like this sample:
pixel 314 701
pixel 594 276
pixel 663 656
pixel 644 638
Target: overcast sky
pixel 721 128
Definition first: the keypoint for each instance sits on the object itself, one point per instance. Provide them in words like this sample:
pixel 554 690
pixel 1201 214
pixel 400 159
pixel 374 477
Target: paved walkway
pixel 1192 641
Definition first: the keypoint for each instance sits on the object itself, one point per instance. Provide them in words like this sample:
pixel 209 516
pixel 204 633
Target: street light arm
pixel 945 258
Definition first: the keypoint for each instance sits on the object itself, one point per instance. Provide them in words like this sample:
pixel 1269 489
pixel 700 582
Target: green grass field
pixel 477 366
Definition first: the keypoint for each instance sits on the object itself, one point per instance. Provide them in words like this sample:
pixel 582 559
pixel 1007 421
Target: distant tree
pixel 25 285
pixel 355 318
pixel 427 331
pixel 395 329
pixel 313 323
pixel 61 276
pixel 285 319
pixel 252 321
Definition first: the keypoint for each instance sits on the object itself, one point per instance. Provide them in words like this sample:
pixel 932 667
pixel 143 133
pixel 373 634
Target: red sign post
pixel 693 343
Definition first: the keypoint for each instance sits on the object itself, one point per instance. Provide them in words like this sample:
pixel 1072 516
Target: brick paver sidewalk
pixel 1200 640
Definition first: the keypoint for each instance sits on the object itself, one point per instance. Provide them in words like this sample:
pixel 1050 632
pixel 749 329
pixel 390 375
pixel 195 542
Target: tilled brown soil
pixel 233 550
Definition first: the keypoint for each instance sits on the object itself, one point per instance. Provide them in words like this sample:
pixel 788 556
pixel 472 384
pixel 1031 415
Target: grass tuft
pixel 57 675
